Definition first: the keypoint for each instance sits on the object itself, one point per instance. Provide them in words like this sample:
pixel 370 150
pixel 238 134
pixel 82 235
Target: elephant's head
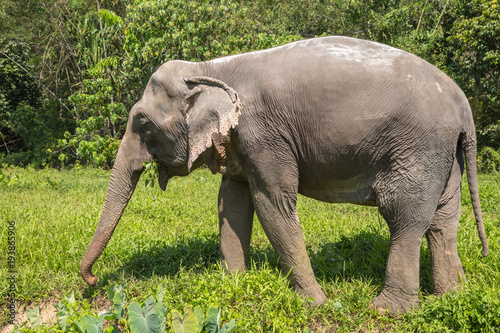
pixel 176 121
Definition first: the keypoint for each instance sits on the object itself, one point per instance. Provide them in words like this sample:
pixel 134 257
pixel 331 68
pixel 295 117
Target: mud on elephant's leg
pixel 447 271
pixel 235 222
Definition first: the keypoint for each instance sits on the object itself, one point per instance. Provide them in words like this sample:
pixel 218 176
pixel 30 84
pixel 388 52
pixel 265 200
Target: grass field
pixel 171 238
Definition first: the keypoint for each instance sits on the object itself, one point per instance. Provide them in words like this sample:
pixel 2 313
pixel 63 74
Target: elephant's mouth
pixel 163 175
pixel 177 167
pixel 167 170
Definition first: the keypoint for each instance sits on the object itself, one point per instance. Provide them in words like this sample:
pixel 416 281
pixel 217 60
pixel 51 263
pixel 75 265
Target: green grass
pixel 171 238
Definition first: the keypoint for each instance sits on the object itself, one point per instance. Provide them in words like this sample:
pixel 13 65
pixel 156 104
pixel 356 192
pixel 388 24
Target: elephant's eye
pixel 146 128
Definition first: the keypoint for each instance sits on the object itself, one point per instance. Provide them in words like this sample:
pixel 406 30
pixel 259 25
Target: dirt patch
pixel 48 313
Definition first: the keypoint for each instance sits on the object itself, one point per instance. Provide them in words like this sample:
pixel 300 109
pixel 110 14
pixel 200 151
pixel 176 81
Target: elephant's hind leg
pixel 408 212
pixel 447 271
pixel 235 222
pixel 400 292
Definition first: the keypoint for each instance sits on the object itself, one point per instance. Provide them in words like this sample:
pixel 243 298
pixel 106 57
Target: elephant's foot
pixel 233 266
pixel 313 291
pixel 394 302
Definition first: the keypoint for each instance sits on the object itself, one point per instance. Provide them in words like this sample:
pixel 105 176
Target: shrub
pixel 488 160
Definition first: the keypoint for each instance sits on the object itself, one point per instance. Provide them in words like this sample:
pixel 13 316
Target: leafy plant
pixel 187 323
pixel 212 323
pixel 150 173
pixel 145 319
pixel 117 295
pixel 17 180
pixel 33 315
pixel 474 56
pixel 488 160
pixel 90 324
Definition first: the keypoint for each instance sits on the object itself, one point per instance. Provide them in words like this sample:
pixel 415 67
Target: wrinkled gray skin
pixel 336 119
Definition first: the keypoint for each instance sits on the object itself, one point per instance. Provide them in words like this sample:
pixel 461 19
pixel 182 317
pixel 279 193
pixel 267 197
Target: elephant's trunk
pixel 124 177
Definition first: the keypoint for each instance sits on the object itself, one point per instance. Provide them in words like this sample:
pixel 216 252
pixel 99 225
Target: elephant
pixel 336 119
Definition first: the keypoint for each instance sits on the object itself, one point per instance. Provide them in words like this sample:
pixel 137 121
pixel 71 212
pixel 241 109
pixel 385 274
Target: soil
pixel 48 313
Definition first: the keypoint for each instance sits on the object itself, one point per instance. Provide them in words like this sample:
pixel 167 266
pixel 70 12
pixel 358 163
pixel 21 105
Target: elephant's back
pixel 343 104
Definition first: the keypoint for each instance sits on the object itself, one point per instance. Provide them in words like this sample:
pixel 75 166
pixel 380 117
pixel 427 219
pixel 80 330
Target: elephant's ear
pixel 212 108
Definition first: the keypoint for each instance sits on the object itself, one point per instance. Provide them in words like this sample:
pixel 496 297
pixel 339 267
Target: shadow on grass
pixel 361 256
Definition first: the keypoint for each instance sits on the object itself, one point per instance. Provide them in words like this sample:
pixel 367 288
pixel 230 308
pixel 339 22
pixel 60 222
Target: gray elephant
pixel 336 119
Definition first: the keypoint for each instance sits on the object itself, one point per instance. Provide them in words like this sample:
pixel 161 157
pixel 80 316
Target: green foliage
pixel 150 173
pixel 472 310
pixel 212 323
pixel 144 319
pixel 187 323
pixel 89 324
pixel 19 181
pixel 489 136
pixel 150 318
pixel 33 316
pixel 414 26
pixel 100 119
pixel 162 30
pixel 99 114
pixel 117 295
pixel 475 56
pixel 488 160
pixel 27 122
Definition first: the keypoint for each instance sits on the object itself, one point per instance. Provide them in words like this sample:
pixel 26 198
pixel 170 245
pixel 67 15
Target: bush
pixel 488 160
pixel 161 30
pixel 489 136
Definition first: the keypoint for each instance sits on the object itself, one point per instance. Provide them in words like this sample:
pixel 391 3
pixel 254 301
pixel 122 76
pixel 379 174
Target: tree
pixel 474 49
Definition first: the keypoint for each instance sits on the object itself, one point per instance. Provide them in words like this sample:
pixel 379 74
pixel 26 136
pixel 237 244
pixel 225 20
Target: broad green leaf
pixel 200 316
pixel 144 319
pixel 117 294
pixel 62 315
pixel 159 294
pixel 229 327
pixel 71 300
pixel 110 316
pixel 116 288
pixel 118 303
pixel 213 319
pixel 33 316
pixel 100 320
pixel 81 325
pixel 162 310
pixel 185 324
pixel 307 330
pixel 110 290
pixel 89 324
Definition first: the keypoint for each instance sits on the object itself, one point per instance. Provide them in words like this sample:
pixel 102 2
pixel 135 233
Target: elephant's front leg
pixel 274 188
pixel 235 222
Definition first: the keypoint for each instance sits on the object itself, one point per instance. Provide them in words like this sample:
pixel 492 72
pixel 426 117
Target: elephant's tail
pixel 468 142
